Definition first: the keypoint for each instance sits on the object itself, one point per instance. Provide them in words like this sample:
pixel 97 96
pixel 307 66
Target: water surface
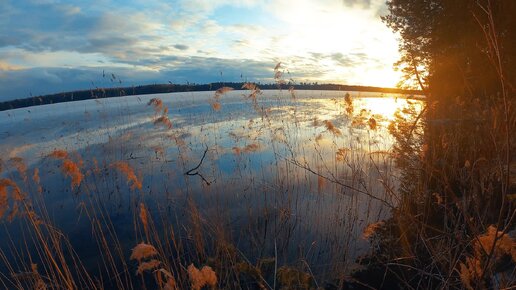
pixel 294 177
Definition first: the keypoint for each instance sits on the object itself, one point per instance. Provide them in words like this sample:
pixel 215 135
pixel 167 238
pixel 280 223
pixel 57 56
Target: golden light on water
pixel 386 107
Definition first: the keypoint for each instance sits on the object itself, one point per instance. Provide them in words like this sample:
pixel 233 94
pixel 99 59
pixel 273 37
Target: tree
pixel 447 47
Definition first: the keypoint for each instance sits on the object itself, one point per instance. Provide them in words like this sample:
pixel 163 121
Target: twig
pixel 335 181
pixel 194 171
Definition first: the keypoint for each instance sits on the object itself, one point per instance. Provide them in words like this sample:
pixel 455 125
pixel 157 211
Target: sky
pixel 50 46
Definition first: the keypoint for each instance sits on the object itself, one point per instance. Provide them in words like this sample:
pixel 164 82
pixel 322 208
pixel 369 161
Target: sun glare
pixel 386 107
pixel 335 44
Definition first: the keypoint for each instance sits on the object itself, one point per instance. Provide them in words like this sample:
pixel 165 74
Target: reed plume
pixel 147 266
pixel 16 196
pixel 200 278
pixel 170 283
pixel 341 153
pixel 216 106
pixel 163 120
pixel 278 75
pixel 157 103
pixel 372 123
pixel 20 166
pixel 371 229
pixel 330 127
pixel 58 154
pixel 254 91
pixel 502 244
pixel 349 104
pixel 470 273
pixel 251 148
pixel 37 179
pixel 215 102
pixel 246 149
pixel 143 251
pixel 72 170
pixel 4 200
pixel 128 171
pixel 69 167
pixel 249 86
pixel 292 92
pixel 236 150
pixel 35 176
pixel 222 91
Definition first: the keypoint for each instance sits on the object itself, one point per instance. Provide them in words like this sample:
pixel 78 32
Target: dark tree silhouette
pixel 459 47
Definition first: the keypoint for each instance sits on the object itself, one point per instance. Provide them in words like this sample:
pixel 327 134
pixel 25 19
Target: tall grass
pixel 288 172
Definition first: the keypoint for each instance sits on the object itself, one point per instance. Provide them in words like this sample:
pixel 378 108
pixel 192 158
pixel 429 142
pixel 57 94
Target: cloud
pixel 63 27
pixel 345 60
pixel 62 45
pixel 360 3
pixel 70 9
pixel 181 46
pixel 47 80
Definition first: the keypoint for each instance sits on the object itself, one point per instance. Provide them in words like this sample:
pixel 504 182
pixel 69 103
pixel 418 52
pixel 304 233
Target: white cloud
pixel 353 45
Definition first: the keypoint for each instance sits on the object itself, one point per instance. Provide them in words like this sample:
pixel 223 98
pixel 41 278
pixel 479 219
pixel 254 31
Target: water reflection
pixel 272 176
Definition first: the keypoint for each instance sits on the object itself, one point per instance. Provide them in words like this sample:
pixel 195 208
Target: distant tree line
pixel 100 93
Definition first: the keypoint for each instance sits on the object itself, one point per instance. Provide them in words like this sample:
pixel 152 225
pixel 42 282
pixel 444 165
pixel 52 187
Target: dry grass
pixel 58 154
pixel 157 103
pixel 69 167
pixel 129 174
pixel 148 266
pixel 163 120
pixel 17 162
pixel 331 128
pixel 200 278
pixel 143 251
pixel 254 147
pixel 178 229
pixel 72 170
pixel 371 229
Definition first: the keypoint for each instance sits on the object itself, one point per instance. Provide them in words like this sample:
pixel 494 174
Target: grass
pixel 275 164
pixel 264 191
pixel 454 218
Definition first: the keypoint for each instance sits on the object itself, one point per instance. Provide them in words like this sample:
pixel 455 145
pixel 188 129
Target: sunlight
pixel 386 107
pixel 335 44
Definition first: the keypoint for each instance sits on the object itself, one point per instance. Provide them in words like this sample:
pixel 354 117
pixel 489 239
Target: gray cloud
pixel 181 46
pixel 349 60
pixel 23 83
pixel 343 60
pixel 62 27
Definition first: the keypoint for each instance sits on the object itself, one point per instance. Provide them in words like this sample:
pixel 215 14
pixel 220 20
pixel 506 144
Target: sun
pixel 337 45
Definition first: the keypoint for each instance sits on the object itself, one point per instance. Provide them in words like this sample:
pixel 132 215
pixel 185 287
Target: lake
pixel 296 176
